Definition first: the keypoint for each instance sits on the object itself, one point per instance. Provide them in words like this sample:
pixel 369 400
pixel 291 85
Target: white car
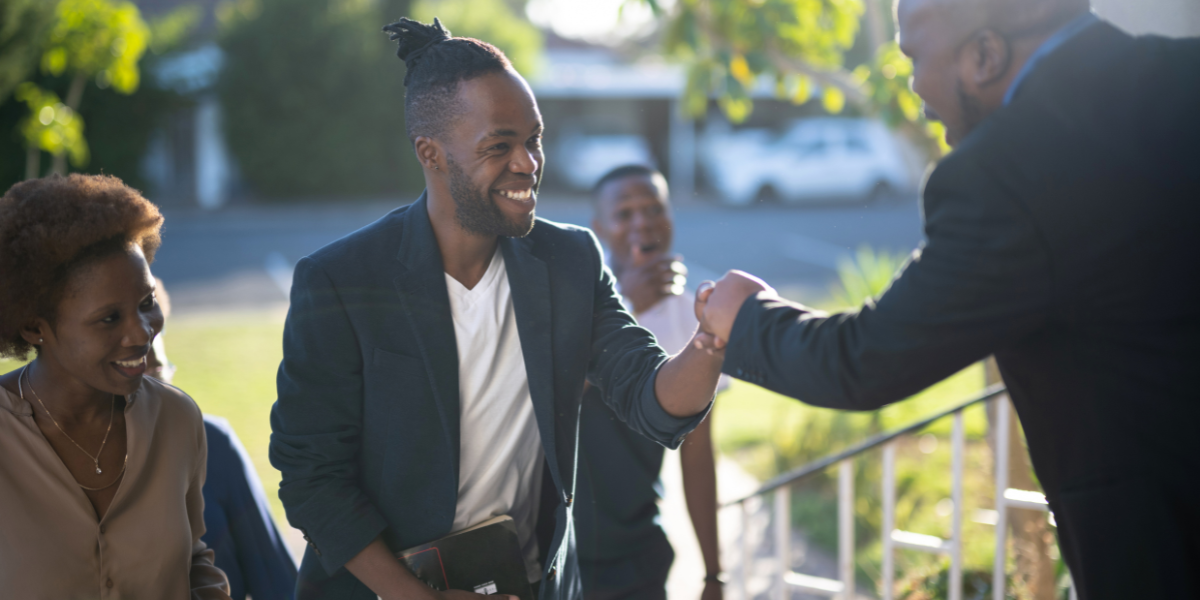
pixel 583 159
pixel 813 160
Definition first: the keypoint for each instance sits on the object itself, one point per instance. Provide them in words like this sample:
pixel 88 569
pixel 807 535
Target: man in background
pixel 623 551
pixel 1060 238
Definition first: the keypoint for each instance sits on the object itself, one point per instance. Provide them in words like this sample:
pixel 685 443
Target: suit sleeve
pixel 316 423
pixel 982 281
pixel 625 362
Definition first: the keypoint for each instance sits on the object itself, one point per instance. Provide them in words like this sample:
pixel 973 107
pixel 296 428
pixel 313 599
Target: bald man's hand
pixel 717 306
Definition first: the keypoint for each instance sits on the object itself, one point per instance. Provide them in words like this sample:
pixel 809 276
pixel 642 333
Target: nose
pixel 526 161
pixel 144 328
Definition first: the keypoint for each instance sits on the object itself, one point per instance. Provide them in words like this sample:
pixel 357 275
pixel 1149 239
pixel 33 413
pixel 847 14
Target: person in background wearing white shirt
pixel 623 551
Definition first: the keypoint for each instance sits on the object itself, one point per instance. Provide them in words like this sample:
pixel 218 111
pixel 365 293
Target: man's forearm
pixel 383 573
pixel 700 490
pixel 687 382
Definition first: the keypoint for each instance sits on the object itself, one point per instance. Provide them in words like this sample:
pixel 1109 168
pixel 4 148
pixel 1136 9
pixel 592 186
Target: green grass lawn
pixel 227 363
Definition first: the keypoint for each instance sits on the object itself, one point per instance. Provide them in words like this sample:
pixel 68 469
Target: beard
pixel 477 213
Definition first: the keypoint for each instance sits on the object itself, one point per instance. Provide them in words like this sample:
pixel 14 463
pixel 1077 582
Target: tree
pixel 23 27
pixel 493 21
pixel 100 40
pixel 730 46
pixel 313 93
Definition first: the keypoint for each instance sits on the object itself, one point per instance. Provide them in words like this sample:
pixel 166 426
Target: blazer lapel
pixel 421 282
pixel 530 283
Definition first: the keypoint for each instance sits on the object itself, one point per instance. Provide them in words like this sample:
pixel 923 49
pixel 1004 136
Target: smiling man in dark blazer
pixel 434 360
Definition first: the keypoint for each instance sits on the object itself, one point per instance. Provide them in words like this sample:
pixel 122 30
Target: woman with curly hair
pixel 102 470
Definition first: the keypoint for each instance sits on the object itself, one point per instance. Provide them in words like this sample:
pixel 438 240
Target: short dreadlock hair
pixel 437 64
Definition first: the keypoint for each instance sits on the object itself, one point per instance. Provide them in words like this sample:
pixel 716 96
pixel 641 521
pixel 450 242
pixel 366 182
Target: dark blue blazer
pixel 366 427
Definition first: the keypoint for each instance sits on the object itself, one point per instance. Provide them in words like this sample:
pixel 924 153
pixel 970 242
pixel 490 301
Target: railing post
pixel 783 540
pixel 999 577
pixel 957 449
pixel 889 520
pixel 745 582
pixel 846 527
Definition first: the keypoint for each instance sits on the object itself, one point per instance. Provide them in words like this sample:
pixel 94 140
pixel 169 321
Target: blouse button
pixel 101 530
pixel 108 584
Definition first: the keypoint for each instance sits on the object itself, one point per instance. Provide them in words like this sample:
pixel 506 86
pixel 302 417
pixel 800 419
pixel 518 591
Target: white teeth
pixel 129 364
pixel 525 195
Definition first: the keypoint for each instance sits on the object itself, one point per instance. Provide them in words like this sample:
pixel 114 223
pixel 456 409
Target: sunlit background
pixel 267 128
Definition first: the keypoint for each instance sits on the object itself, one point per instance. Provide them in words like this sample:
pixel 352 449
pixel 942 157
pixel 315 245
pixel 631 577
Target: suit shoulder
pixel 368 240
pixel 566 234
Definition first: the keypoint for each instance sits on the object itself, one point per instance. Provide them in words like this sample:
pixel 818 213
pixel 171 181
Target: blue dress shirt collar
pixel 1060 37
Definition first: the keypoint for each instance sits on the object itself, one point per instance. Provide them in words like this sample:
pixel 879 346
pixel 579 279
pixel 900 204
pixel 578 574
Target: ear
pixel 598 227
pixel 36 332
pixel 429 153
pixel 989 57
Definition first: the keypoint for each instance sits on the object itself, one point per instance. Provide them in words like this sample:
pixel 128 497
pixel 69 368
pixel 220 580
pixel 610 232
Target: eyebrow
pixel 507 133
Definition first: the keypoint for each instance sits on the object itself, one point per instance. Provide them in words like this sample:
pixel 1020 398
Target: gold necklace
pixel 111 408
pixel 114 481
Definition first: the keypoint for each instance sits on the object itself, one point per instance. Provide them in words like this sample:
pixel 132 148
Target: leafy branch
pixel 730 47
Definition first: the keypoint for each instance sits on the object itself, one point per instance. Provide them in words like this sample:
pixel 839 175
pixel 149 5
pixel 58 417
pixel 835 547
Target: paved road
pixel 240 258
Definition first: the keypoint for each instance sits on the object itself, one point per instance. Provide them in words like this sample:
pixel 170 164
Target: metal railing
pixel 787 580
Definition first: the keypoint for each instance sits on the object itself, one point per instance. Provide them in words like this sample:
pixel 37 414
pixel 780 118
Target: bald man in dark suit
pixel 1061 237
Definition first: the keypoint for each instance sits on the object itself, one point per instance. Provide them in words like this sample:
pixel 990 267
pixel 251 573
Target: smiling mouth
pixel 520 196
pixel 133 367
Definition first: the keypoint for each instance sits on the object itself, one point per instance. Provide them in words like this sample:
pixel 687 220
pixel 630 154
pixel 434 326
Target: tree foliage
pixel 799 48
pixel 492 21
pixel 76 50
pixel 51 126
pixel 82 41
pixel 104 39
pixel 23 28
pixel 313 93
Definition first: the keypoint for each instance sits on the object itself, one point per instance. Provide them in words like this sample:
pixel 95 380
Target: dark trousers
pixel 641 576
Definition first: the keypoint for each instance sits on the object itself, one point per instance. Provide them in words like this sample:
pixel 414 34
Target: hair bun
pixel 413 37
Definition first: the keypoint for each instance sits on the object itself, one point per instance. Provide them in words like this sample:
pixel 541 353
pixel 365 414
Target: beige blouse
pixel 147 546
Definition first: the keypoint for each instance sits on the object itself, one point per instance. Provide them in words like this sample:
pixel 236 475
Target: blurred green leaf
pixel 866 276
pixel 491 20
pixel 94 37
pixel 171 30
pixel 51 125
pixel 807 40
pixel 23 28
pixel 833 99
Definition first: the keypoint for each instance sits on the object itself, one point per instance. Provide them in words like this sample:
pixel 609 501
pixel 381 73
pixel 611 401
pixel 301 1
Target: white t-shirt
pixel 500 464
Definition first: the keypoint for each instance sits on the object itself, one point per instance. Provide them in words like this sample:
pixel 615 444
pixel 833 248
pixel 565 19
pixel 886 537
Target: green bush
pixel 313 93
pixel 313 98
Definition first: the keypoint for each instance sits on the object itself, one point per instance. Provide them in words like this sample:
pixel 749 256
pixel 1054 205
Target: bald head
pixel 1011 18
pixel 967 52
